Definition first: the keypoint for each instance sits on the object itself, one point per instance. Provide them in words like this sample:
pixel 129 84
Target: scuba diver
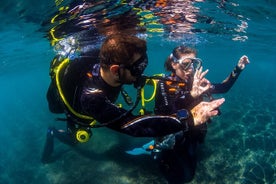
pixel 85 92
pixel 176 153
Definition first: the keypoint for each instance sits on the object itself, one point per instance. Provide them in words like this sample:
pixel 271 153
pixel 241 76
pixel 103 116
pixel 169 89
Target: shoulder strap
pixel 62 65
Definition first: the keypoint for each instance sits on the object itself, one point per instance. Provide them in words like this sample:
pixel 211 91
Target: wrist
pixel 185 117
pixel 192 94
pixel 238 68
pixel 182 114
pixel 195 120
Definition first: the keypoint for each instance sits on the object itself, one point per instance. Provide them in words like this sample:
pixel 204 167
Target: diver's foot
pixel 49 146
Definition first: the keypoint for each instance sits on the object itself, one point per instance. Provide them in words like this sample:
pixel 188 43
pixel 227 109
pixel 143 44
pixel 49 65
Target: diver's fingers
pixel 216 103
pixel 205 84
pixel 206 81
pixel 204 73
pixel 198 72
pixel 243 61
pixel 213 113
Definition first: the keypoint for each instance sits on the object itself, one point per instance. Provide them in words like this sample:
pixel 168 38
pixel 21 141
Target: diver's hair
pixel 120 49
pixel 176 54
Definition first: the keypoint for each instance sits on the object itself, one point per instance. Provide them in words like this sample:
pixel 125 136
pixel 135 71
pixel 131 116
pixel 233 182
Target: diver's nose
pixel 189 70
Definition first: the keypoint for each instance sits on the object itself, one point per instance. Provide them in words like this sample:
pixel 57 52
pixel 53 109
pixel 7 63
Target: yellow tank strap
pixel 53 37
pixel 63 64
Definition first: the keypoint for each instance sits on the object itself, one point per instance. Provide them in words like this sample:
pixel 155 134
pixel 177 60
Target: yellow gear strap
pixel 61 65
pixel 152 82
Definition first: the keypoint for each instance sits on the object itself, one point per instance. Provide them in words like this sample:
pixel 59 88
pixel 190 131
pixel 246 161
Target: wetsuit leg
pixel 66 137
pixel 48 147
pixel 178 165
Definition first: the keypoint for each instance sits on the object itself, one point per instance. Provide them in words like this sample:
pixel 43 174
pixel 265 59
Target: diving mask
pixel 137 68
pixel 187 63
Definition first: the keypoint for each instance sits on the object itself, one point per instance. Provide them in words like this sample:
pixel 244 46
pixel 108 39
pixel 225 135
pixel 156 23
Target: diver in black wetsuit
pixel 178 160
pixel 87 92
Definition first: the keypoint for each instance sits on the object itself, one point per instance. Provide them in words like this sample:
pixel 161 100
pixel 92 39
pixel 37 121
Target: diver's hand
pixel 243 62
pixel 205 110
pixel 200 84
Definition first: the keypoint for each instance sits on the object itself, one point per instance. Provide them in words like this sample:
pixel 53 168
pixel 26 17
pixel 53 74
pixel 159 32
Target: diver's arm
pixel 183 120
pixel 105 112
pixel 226 85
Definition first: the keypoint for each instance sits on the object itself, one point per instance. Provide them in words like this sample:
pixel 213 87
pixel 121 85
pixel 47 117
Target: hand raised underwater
pixel 205 110
pixel 200 84
pixel 243 62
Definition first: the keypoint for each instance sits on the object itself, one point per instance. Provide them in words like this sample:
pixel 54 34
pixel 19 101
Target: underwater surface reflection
pixel 240 144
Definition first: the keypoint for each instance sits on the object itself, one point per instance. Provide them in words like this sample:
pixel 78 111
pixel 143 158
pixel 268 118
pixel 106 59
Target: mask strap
pixel 119 72
pixel 175 60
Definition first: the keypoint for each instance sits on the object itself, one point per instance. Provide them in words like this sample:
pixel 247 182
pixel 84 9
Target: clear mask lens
pixel 187 63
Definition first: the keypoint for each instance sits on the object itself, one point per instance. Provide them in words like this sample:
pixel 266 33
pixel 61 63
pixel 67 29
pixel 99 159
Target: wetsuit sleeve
pixel 94 103
pixel 226 85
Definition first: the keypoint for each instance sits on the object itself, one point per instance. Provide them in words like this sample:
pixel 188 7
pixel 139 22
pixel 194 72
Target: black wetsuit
pixel 178 165
pixel 88 94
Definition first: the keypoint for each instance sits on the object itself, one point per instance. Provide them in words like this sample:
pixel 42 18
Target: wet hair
pixel 120 49
pixel 176 54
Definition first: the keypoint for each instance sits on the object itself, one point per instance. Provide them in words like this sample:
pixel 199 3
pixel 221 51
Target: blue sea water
pixel 240 144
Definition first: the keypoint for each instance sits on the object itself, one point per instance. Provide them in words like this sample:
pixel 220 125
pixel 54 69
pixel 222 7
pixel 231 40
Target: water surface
pixel 240 144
